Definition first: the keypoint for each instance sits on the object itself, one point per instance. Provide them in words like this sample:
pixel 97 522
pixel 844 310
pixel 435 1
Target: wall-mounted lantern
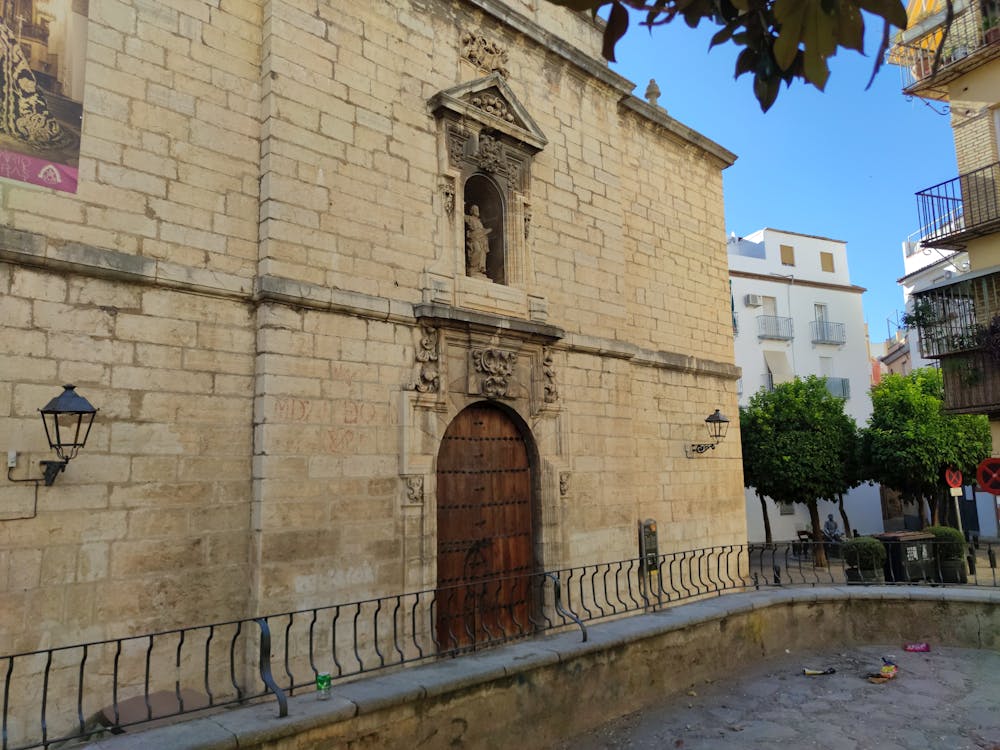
pixel 67 420
pixel 717 424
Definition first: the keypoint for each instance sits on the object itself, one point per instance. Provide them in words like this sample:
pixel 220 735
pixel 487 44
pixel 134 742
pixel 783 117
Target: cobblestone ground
pixel 947 699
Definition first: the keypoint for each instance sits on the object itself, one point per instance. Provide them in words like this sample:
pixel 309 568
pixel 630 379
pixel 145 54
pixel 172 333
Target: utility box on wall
pixel 649 547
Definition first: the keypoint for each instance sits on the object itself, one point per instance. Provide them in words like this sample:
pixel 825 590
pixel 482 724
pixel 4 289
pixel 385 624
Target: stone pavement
pixel 946 699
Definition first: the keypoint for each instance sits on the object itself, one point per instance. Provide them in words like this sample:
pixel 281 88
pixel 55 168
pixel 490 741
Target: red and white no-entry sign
pixel 988 475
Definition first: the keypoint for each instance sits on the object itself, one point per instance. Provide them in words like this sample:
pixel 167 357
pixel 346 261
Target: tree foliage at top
pixel 910 440
pixel 782 39
pixel 798 445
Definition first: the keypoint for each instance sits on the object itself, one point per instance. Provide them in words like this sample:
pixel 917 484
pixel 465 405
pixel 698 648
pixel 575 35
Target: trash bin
pixel 910 556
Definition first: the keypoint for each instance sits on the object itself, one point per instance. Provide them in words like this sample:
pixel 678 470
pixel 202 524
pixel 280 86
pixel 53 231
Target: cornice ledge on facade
pixel 778 279
pixel 503 13
pixel 35 250
pixel 445 316
pixel 648 357
pixel 272 288
pixel 665 121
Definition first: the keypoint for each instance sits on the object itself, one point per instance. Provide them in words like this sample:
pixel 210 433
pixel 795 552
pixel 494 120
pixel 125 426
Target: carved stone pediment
pixel 490 102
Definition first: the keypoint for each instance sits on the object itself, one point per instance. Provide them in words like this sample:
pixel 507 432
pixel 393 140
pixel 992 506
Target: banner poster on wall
pixel 43 49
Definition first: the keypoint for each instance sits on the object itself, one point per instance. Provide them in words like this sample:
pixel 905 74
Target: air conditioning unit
pixel 752 300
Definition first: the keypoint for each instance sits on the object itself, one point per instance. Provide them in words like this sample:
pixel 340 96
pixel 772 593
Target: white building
pixel 796 313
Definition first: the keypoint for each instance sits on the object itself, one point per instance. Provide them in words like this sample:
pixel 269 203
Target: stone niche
pixel 488 140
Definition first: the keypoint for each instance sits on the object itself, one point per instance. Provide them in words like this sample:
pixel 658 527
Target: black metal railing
pixel 825 332
pixel 774 327
pixel 971 42
pixel 80 691
pixel 960 209
pixel 956 317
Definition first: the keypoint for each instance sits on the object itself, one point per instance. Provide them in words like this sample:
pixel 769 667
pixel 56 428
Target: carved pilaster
pixel 550 392
pixel 414 489
pixel 447 188
pixel 563 483
pixel 428 378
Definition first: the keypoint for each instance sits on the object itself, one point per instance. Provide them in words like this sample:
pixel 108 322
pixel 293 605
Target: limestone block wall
pixel 130 289
pixel 169 151
pixel 147 527
pixel 262 285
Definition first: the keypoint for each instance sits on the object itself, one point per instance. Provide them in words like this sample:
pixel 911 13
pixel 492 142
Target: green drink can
pixel 323 686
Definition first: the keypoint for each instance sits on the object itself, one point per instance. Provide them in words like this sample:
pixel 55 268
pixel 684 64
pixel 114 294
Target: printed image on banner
pixel 43 48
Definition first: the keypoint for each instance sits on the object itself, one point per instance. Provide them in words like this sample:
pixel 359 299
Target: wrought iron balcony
pixel 971 383
pixel 961 209
pixel 774 327
pixel 825 332
pixel 839 387
pixel 956 316
pixel 972 39
pixel 958 322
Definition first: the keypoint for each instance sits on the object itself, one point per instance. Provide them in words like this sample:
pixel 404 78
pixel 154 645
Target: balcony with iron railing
pixel 961 209
pixel 825 332
pixel 955 316
pixel 839 387
pixel 931 52
pixel 774 327
pixel 958 323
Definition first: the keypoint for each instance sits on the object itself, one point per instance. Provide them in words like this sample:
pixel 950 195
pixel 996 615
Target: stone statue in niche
pixel 477 243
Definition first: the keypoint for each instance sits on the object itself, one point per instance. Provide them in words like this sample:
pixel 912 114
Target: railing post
pixel 557 592
pixel 265 667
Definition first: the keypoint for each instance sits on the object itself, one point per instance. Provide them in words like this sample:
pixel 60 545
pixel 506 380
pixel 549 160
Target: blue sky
pixel 844 163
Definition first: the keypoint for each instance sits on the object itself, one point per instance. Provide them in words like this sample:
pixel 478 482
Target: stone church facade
pixel 323 258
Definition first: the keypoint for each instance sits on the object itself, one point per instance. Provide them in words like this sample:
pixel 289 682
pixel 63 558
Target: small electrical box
pixel 649 547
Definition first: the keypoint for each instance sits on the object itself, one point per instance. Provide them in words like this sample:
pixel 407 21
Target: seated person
pixel 831 531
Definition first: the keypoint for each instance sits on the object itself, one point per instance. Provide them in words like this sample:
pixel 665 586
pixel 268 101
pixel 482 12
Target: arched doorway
pixel 485 539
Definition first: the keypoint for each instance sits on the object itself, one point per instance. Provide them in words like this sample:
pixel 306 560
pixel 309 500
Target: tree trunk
pixel 819 550
pixel 767 519
pixel 935 504
pixel 843 516
pixel 919 500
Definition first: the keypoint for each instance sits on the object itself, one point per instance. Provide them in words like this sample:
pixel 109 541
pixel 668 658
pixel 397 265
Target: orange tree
pixel 798 445
pixel 910 440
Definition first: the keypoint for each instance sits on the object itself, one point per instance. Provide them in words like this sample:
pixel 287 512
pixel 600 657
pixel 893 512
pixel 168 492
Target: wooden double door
pixel 485 548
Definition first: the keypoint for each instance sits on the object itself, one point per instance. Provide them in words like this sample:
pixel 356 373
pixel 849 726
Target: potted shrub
pixel 865 559
pixel 991 29
pixel 957 52
pixel 949 553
